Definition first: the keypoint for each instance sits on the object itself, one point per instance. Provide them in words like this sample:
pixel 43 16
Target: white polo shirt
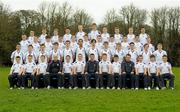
pixel 152 66
pixel 67 37
pixel 24 46
pixel 159 54
pixel 29 67
pixel 104 66
pixel 15 54
pixel 79 65
pixel 105 37
pixel 54 39
pixel 165 67
pixel 93 34
pixel 116 67
pixel 42 67
pixel 140 66
pixel 118 38
pixel 130 38
pixel 67 67
pixel 143 38
pixel 42 38
pixel 16 68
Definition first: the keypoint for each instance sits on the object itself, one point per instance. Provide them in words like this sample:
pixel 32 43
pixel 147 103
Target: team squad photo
pixel 89 55
pixel 90 60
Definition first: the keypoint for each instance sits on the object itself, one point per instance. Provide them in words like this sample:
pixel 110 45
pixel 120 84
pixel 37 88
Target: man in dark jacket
pixel 54 70
pixel 128 70
pixel 91 70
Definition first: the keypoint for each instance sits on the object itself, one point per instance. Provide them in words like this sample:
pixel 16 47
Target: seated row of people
pixel 106 74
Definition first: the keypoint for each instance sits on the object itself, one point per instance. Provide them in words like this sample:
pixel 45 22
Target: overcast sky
pixel 96 8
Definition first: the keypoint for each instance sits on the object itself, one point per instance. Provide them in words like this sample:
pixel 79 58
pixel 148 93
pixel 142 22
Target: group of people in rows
pixel 113 59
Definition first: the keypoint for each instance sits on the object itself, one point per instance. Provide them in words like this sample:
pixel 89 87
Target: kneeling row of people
pixel 115 74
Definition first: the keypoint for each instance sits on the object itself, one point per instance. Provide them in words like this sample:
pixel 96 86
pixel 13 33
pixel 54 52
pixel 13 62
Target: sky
pixel 96 8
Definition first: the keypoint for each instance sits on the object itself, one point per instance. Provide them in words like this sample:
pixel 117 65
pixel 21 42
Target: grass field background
pixel 54 100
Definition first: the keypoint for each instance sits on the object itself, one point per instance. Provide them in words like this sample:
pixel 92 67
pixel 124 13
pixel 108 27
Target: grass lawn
pixel 53 100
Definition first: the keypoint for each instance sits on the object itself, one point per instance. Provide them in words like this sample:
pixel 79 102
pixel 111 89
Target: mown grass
pixel 54 100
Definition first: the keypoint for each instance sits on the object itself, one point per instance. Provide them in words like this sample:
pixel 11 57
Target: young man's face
pixel 92 57
pixel 131 46
pixel 42 59
pixel 55 32
pixel 140 59
pixel 117 31
pixel 73 38
pixel 18 60
pixel 104 30
pixel 106 45
pixel 116 59
pixel 111 39
pixel 67 44
pixel 31 33
pixel 104 57
pixel 146 47
pixel 80 42
pixel 67 59
pixel 99 39
pixel 128 58
pixel 44 31
pixel 56 46
pixel 48 40
pixel 86 38
pixel 152 59
pixel 142 30
pixel 80 27
pixel 79 57
pixel 67 31
pixel 94 27
pixel 55 57
pixel 42 47
pixel 93 43
pixel 35 39
pixel 30 48
pixel 18 47
pixel 159 47
pixel 118 46
pixel 60 39
pixel 23 37
pixel 164 59
pixel 130 30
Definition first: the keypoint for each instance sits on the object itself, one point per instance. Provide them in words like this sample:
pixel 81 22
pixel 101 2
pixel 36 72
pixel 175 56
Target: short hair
pixel 43 56
pixel 118 43
pixel 42 44
pixel 104 54
pixel 68 56
pixel 30 45
pixel 93 40
pixel 131 43
pixel 105 42
pixel 128 55
pixel 68 41
pixel 159 44
pixel 18 44
pixel 152 56
pixel 146 44
pixel 164 56
pixel 48 37
pixel 92 54
pixel 18 57
pixel 94 24
pixel 140 56
pixel 116 56
pixel 80 39
pixel 56 43
pixel 30 56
